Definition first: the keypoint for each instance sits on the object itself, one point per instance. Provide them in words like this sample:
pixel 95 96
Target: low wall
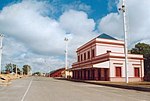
pixel 131 79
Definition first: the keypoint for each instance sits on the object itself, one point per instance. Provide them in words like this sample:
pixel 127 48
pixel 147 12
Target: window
pixel 78 58
pixel 93 53
pixel 118 71
pixel 81 57
pixel 84 56
pixel 88 54
pixel 136 72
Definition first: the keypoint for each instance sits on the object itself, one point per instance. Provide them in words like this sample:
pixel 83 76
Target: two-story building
pixel 103 58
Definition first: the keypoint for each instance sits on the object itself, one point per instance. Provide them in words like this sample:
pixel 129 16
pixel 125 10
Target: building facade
pixel 103 59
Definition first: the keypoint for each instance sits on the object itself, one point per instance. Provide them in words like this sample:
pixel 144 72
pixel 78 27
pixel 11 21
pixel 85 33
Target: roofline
pixel 101 40
pixel 87 44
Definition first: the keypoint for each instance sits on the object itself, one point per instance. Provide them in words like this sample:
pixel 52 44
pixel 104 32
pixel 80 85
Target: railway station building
pixel 103 59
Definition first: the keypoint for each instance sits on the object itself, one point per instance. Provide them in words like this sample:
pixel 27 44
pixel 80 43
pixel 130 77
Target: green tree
pixel 18 70
pixel 26 69
pixel 8 68
pixel 144 49
pixel 14 68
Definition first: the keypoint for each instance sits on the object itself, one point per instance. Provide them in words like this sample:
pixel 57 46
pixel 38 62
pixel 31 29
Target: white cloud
pixel 73 21
pixel 77 5
pixel 111 24
pixel 14 52
pixel 33 36
pixel 138 21
pixel 26 22
pixel 78 25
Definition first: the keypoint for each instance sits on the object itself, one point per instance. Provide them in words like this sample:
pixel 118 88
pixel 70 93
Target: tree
pixel 14 68
pixel 18 70
pixel 144 49
pixel 8 68
pixel 26 69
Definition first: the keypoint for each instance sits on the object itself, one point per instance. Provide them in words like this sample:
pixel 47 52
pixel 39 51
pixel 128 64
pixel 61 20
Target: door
pixel 118 72
pixel 136 72
pixel 104 74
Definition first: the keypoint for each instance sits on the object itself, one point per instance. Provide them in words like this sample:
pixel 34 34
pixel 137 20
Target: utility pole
pixel 123 9
pixel 66 56
pixel 1 47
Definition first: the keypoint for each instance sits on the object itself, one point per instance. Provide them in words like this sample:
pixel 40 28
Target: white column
pixel 66 57
pixel 125 39
pixel 1 40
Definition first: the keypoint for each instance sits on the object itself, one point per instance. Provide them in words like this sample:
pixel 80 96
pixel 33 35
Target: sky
pixel 34 30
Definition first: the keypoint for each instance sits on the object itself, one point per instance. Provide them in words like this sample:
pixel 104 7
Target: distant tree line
pixel 11 68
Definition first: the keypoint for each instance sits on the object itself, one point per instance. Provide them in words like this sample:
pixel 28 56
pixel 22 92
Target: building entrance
pixel 103 74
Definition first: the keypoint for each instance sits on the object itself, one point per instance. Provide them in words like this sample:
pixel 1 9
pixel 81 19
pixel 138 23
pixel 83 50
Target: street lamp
pixel 123 9
pixel 66 56
pixel 1 46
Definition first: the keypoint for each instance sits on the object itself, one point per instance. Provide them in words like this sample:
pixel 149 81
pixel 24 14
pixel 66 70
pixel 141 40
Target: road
pixel 48 89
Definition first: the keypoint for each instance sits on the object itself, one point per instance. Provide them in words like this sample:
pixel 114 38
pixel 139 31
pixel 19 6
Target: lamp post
pixel 1 46
pixel 123 9
pixel 66 56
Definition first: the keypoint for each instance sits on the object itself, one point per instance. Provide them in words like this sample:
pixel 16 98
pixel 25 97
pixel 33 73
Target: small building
pixel 58 73
pixel 103 59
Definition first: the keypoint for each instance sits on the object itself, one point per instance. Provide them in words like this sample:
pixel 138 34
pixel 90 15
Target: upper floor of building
pixel 99 45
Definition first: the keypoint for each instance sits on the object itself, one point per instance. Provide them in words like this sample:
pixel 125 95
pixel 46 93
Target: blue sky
pixel 35 29
pixel 98 8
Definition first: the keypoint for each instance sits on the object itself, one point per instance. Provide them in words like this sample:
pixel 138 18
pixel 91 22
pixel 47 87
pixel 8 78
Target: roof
pixel 105 36
pixel 59 69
